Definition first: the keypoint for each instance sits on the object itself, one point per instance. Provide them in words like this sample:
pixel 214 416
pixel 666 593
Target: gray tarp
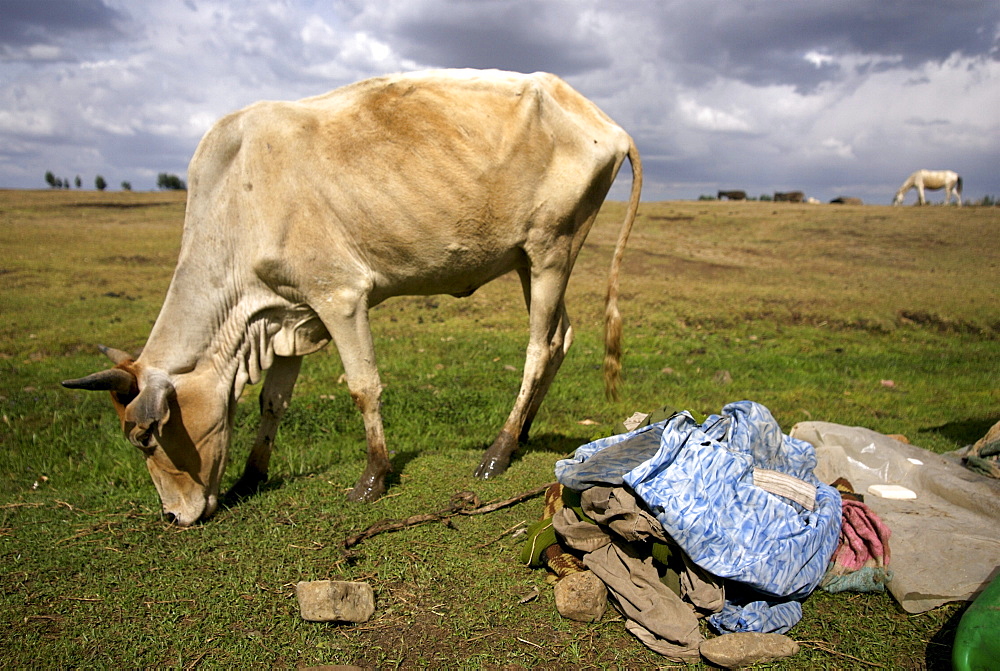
pixel 945 543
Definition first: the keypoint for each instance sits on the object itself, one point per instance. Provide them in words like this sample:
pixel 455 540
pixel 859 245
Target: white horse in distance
pixel 933 180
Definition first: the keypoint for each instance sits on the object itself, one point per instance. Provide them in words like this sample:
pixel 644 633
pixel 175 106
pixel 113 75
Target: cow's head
pixel 180 426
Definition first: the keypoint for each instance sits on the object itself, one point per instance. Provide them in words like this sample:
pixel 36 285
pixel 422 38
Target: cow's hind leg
pixel 274 400
pixel 559 345
pixel 550 337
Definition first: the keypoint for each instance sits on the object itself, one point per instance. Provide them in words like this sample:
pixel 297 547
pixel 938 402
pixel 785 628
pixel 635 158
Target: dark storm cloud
pixel 766 43
pixel 31 22
pixel 520 36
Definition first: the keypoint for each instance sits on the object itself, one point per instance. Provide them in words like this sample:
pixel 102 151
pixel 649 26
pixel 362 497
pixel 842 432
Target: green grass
pixel 808 308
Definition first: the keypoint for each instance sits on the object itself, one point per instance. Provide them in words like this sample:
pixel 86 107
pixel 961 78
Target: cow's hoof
pixel 367 490
pixel 248 485
pixel 491 467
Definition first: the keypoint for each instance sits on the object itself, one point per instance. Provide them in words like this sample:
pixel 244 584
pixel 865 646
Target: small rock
pixel 746 647
pixel 335 601
pixel 581 597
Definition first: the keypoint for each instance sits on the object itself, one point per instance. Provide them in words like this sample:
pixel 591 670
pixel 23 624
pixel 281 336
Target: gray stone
pixel 335 601
pixel 746 648
pixel 581 597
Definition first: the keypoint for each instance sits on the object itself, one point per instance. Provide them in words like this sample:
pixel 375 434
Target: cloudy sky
pixel 833 98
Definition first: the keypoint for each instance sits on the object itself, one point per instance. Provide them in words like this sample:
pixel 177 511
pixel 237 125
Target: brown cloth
pixel 653 613
pixel 619 551
pixel 617 509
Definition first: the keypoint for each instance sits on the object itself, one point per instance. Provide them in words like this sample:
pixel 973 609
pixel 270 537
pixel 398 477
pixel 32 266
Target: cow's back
pixel 431 182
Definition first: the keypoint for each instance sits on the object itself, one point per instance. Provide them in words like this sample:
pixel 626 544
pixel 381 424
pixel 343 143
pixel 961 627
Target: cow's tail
pixel 958 187
pixel 612 317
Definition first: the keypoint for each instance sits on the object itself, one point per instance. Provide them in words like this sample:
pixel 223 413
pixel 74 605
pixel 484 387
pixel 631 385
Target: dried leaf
pixel 530 596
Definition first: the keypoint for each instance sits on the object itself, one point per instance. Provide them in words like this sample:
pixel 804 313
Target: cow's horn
pixel 116 355
pixel 114 379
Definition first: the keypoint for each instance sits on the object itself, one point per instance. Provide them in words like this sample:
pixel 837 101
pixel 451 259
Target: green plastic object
pixel 977 641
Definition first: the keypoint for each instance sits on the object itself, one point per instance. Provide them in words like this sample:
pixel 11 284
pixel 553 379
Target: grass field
pixel 805 309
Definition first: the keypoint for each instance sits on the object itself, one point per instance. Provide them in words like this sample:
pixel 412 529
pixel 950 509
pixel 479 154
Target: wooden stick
pixel 387 525
pixel 497 505
pixel 502 534
pixel 828 648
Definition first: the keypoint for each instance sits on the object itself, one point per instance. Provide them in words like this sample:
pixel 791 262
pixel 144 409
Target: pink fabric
pixel 864 538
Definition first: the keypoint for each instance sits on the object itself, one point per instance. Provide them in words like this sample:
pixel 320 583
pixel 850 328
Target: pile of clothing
pixel 683 519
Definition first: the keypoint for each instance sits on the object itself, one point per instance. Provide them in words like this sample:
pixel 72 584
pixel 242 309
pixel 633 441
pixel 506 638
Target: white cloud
pixel 709 118
pixel 837 148
pixel 27 123
pixel 317 32
pixel 819 60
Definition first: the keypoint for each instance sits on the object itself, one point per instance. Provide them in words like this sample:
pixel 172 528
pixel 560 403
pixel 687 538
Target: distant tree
pixel 59 183
pixel 66 183
pixel 79 183
pixel 100 183
pixel 50 179
pixel 171 182
pixel 706 197
pixel 766 196
pixel 126 186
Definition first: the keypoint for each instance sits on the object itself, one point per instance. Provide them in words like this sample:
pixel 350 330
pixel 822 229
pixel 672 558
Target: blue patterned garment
pixel 759 616
pixel 699 483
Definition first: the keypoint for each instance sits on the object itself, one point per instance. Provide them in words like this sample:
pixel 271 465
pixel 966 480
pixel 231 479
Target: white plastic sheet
pixel 946 541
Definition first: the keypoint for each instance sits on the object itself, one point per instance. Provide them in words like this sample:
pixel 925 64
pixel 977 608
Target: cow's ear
pixel 150 409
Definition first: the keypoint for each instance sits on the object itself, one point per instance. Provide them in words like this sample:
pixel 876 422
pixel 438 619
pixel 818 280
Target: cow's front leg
pixel 275 398
pixel 549 339
pixel 347 322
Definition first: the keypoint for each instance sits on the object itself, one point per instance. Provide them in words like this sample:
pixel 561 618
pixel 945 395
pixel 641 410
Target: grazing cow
pixel 303 215
pixel 932 180
pixel 732 195
pixel 789 197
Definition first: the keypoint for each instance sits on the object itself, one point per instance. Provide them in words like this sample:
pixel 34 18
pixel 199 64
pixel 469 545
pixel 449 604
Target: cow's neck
pixel 214 326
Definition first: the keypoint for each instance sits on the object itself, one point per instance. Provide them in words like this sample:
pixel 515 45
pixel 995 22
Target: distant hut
pixel 732 195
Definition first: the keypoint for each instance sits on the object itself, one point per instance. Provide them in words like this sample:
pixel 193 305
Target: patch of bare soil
pixel 117 205
pixel 944 324
pixel 135 260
